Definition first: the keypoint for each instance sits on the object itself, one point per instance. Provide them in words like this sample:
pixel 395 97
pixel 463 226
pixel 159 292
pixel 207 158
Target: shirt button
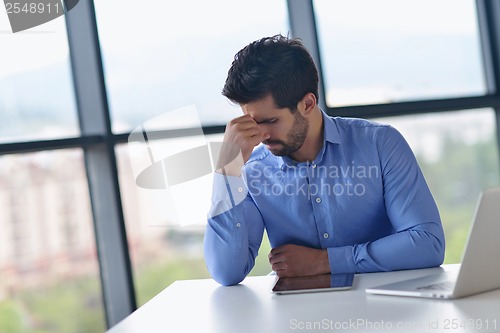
pixel 238 225
pixel 318 200
pixel 326 235
pixel 313 165
pixel 240 189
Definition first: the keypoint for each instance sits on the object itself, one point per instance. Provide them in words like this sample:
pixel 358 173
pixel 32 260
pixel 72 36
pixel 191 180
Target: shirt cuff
pixel 341 259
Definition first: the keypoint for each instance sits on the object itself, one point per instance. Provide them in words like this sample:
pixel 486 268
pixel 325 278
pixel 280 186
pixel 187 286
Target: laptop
pixel 480 269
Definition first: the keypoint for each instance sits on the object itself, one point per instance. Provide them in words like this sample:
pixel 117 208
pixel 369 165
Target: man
pixel 335 195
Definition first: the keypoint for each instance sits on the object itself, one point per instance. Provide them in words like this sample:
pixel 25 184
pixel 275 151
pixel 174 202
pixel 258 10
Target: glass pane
pixel 458 154
pixel 165 226
pixel 48 266
pixel 162 250
pixel 390 50
pixel 36 90
pixel 176 54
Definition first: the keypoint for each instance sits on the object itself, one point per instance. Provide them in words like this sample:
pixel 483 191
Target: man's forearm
pixel 410 249
pixel 232 239
pixel 226 252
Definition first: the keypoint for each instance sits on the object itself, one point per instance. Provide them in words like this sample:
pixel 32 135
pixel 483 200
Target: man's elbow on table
pixel 222 269
pixel 433 250
pixel 224 275
pixel 439 246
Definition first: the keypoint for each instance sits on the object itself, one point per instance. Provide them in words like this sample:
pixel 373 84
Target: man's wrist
pixel 231 169
pixel 324 262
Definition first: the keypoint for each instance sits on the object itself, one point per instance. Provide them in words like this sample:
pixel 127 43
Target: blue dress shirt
pixel 363 198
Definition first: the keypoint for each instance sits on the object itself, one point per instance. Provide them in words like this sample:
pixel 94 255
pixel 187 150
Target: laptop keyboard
pixel 446 286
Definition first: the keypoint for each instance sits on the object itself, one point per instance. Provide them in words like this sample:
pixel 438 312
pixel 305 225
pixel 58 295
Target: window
pixel 36 89
pixel 48 266
pixel 50 278
pixel 390 51
pixel 458 155
pixel 161 56
pixel 174 57
pixel 167 55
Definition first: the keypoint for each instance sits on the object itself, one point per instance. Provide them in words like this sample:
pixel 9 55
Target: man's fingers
pixel 249 126
pixel 274 252
pixel 274 259
pixel 279 249
pixel 276 256
pixel 252 133
pixel 242 118
pixel 246 132
pixel 245 125
pixel 243 122
pixel 282 271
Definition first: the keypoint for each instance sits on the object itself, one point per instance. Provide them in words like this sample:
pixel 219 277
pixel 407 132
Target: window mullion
pixel 93 113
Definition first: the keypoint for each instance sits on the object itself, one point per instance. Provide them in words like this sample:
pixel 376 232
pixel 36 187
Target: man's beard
pixel 295 137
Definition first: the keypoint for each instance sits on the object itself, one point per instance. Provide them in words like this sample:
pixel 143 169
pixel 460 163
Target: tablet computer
pixel 316 283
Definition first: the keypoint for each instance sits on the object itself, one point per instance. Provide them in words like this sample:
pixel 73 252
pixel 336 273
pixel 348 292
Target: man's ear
pixel 307 103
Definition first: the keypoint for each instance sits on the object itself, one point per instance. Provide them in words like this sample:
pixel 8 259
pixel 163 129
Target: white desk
pixel 205 306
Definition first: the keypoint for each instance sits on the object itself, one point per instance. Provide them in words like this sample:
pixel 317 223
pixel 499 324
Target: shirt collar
pixel 330 134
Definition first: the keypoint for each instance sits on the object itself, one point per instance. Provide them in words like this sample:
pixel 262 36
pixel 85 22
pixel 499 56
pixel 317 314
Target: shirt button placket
pixel 318 201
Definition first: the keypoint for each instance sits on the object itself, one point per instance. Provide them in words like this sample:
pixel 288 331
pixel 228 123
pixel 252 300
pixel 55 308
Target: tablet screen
pixel 316 283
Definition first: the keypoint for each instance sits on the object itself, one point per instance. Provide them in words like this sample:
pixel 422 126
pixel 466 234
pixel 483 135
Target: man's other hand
pixel 294 260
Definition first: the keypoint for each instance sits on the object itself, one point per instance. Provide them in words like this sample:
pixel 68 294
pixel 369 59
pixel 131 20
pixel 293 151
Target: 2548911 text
pixel 33 8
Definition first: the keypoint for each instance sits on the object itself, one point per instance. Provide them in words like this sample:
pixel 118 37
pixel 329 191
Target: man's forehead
pixel 262 109
pixel 261 116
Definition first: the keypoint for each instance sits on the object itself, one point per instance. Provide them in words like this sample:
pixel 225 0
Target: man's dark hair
pixel 275 65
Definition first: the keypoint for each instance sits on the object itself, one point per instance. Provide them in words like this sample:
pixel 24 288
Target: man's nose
pixel 265 132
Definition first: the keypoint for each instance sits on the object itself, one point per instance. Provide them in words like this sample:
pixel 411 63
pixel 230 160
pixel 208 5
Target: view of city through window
pixel 49 272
